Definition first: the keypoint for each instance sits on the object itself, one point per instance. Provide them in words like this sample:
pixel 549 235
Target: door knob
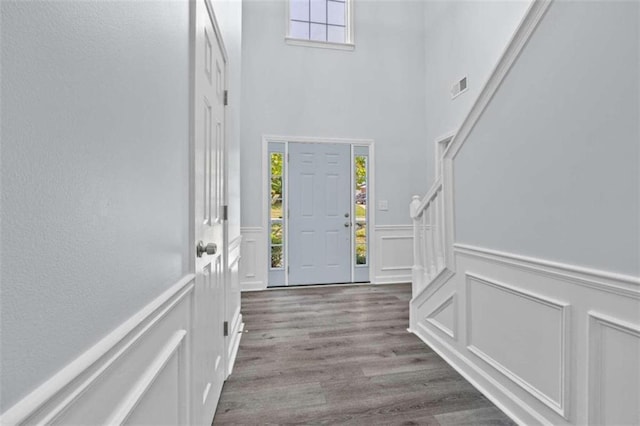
pixel 209 249
pixel 347 224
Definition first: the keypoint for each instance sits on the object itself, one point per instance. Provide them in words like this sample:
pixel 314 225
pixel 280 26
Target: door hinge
pixel 288 269
pixel 225 328
pixel 225 212
pixel 288 213
pixel 287 158
pixel 226 97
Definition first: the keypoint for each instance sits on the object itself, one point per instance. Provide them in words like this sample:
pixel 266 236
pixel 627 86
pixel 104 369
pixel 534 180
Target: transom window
pixel 324 21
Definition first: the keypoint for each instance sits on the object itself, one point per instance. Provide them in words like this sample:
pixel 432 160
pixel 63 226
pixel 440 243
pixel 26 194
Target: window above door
pixel 320 23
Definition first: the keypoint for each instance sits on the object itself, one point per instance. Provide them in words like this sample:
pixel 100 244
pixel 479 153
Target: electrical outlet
pixel 383 205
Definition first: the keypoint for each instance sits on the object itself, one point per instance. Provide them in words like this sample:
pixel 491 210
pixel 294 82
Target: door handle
pixel 209 249
pixel 347 224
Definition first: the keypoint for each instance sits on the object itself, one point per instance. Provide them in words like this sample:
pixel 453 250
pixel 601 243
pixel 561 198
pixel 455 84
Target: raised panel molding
pixel 393 254
pixel 614 371
pixel 253 264
pixel 437 318
pixel 89 389
pixel 129 402
pixel 557 403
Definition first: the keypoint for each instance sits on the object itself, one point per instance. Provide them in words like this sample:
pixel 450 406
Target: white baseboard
pixel 235 334
pixel 483 382
pixel 391 260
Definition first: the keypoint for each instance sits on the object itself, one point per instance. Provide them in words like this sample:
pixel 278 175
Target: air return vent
pixel 459 87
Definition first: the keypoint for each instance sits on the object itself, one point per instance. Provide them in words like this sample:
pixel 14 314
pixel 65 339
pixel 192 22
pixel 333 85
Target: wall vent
pixel 459 87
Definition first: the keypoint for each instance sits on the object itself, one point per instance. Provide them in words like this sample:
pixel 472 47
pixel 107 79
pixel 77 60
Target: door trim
pixel 369 143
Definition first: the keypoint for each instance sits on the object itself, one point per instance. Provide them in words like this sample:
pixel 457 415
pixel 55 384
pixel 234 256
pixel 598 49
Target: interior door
pixel 208 354
pixel 319 213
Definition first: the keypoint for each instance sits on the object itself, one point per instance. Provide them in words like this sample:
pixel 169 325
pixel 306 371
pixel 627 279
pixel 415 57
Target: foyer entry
pixel 317 212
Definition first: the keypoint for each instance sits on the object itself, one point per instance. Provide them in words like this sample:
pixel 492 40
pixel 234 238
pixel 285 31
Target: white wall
pixel 374 92
pixel 95 124
pixel 462 38
pixel 552 170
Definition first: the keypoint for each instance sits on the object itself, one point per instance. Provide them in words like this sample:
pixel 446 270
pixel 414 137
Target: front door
pixel 208 355
pixel 319 213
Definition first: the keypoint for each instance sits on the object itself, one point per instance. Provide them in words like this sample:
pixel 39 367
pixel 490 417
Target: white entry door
pixel 319 213
pixel 208 355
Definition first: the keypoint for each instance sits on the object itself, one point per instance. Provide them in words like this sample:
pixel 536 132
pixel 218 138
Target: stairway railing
pixel 428 237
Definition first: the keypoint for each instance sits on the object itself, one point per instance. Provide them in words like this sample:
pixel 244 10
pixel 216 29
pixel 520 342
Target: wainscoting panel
pixel 547 343
pixel 445 316
pixel 393 256
pixel 614 371
pixel 235 324
pixel 534 327
pixel 253 264
pixel 139 373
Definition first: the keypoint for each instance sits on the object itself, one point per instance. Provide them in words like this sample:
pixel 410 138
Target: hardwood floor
pixel 342 354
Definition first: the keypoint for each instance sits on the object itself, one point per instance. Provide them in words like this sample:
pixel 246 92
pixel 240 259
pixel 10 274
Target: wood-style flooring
pixel 342 354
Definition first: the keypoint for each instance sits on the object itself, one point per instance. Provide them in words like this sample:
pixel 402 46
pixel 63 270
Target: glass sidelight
pixel 361 213
pixel 361 171
pixel 277 221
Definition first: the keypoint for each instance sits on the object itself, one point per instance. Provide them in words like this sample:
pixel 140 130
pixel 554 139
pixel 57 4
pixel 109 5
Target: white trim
pixel 394 279
pixel 461 364
pixel 86 370
pixel 407 228
pixel 511 53
pixel 439 151
pixel 254 286
pixel 452 301
pixel 135 395
pixel 349 43
pixel 559 406
pixel 622 285
pixel 596 322
pixel 234 336
pixel 319 44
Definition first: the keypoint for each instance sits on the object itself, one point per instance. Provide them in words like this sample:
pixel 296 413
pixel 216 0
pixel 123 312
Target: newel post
pixel 417 271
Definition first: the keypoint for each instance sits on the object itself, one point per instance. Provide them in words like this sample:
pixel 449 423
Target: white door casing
pixel 320 222
pixel 209 165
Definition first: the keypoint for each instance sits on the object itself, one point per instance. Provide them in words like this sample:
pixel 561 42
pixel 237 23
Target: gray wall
pixel 552 168
pixel 94 174
pixel 462 38
pixel 375 92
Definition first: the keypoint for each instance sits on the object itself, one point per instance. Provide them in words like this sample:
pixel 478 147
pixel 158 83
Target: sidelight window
pixel 276 224
pixel 360 208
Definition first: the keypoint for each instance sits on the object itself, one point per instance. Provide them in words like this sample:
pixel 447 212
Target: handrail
pixel 426 200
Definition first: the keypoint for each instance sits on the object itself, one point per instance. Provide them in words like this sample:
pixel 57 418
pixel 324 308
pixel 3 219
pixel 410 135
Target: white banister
pixel 428 230
pixel 417 272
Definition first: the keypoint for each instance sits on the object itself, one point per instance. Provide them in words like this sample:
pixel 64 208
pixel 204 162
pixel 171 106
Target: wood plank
pixel 341 354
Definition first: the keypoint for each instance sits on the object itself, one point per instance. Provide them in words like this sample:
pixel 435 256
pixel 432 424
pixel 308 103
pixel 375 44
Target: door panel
pixel 319 213
pixel 208 371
